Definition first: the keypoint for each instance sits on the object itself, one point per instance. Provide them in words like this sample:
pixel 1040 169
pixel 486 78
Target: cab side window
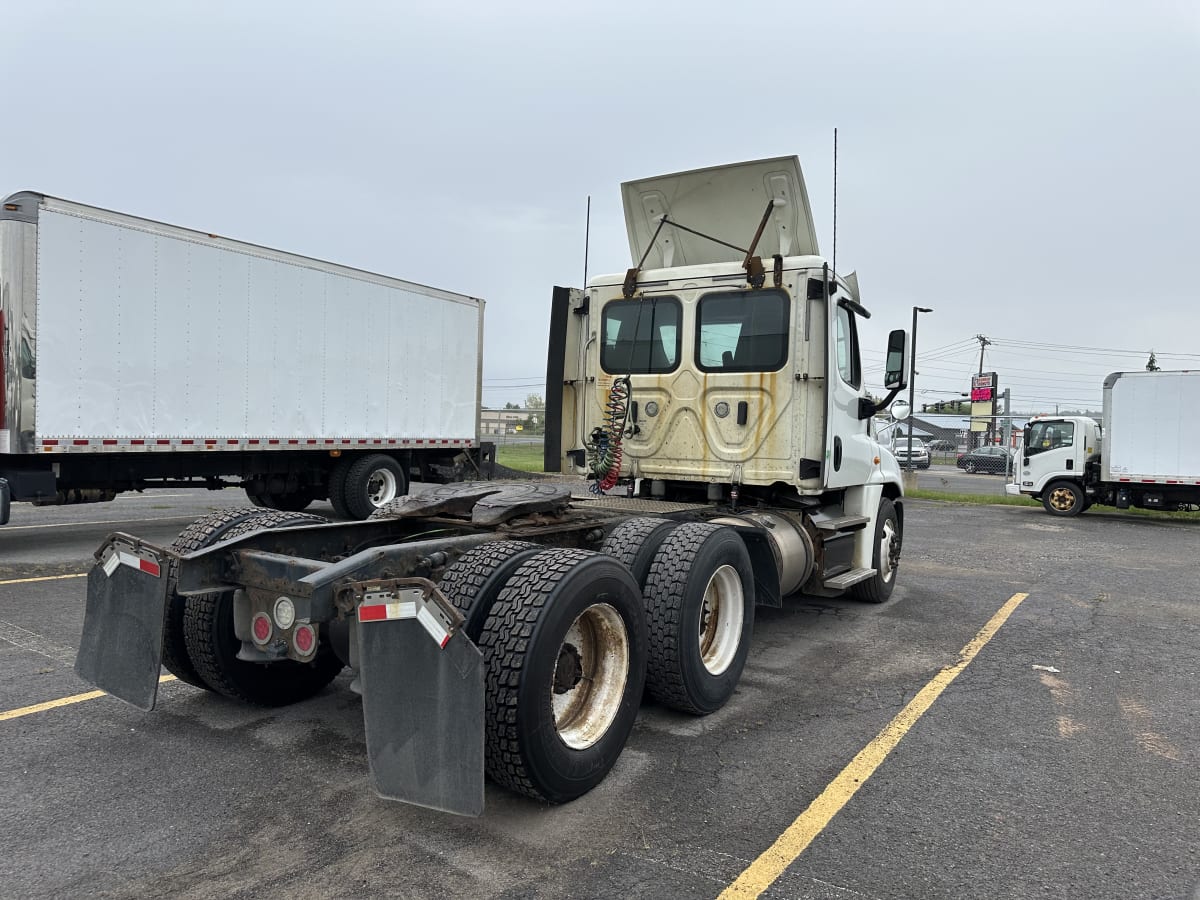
pixel 848 363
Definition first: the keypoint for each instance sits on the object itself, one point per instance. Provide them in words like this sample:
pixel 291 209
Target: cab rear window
pixel 641 336
pixel 742 331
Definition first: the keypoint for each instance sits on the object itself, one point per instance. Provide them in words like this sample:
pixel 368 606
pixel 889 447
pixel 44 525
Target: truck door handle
pixel 1070 464
pixel 837 454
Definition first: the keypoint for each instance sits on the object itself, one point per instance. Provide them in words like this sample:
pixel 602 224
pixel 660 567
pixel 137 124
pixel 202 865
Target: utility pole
pixel 983 344
pixel 912 381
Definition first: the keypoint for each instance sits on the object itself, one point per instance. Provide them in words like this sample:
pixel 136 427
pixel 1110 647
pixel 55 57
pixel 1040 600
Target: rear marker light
pixel 261 628
pixel 285 613
pixel 305 640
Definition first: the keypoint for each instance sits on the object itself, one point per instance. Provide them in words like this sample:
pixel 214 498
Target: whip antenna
pixel 587 235
pixel 835 202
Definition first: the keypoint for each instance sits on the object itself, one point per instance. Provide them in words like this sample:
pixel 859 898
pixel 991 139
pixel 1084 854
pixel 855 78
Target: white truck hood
pixel 725 202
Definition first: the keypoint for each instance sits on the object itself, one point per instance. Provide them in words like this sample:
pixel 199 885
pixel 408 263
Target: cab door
pixel 849 448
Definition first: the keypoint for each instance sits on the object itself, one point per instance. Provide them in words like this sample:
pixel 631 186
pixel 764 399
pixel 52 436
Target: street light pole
pixel 912 381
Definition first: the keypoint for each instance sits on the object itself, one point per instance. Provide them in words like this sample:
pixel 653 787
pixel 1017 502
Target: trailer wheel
pixel 213 646
pixel 204 532
pixel 1064 498
pixel 372 482
pixel 565 650
pixel 292 501
pixel 261 500
pixel 635 541
pixel 473 583
pixel 700 608
pixel 336 487
pixel 885 557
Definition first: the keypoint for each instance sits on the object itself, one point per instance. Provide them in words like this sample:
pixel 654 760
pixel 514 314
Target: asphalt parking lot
pixel 1019 720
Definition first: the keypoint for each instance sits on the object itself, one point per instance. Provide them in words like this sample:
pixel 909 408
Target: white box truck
pixel 137 354
pixel 1147 454
pixel 511 628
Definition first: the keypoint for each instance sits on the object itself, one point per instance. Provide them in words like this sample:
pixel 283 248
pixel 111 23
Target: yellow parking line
pixel 763 872
pixel 43 578
pixel 63 701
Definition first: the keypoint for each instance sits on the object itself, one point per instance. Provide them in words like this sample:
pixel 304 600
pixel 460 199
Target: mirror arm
pixel 866 408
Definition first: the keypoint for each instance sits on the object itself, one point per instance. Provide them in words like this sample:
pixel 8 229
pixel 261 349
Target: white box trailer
pixel 139 354
pixel 1151 430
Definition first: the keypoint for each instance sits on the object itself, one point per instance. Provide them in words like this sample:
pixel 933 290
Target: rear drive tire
pixel 204 532
pixel 1064 498
pixel 213 646
pixel 373 482
pixel 635 541
pixel 885 558
pixel 473 583
pixel 700 611
pixel 565 650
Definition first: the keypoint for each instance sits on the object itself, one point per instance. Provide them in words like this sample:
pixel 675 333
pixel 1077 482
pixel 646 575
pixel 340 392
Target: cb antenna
pixel 835 202
pixel 587 236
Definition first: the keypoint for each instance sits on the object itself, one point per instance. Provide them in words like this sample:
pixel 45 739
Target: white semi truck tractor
pixel 711 399
pixel 1147 454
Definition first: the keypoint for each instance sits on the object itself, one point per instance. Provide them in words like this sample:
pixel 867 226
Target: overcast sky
pixel 1030 170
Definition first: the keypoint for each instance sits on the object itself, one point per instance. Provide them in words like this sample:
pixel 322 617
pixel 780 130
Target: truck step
pixel 842 523
pixel 847 579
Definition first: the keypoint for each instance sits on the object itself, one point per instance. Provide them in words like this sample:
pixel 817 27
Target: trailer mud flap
pixel 423 710
pixel 121 648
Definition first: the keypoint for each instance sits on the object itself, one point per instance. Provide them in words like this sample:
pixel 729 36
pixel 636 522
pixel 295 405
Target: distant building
pixel 504 421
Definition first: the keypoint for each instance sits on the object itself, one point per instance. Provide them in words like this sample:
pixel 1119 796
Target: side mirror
pixel 895 370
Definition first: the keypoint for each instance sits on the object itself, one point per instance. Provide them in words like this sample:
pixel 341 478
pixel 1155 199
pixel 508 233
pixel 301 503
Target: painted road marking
pixel 64 701
pixel 24 639
pixel 100 522
pixel 764 871
pixel 43 578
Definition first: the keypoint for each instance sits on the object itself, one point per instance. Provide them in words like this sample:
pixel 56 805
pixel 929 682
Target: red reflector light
pixel 261 627
pixel 305 639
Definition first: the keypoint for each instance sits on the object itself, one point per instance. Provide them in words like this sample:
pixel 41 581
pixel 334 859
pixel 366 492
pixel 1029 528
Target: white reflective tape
pixel 402 610
pixel 111 563
pixel 433 626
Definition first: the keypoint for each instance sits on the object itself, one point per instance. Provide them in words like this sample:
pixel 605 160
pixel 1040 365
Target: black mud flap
pixel 422 688
pixel 121 648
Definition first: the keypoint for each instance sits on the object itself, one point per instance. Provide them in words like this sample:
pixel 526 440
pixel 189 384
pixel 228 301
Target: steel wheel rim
pixel 1062 499
pixel 721 616
pixel 381 487
pixel 590 674
pixel 887 569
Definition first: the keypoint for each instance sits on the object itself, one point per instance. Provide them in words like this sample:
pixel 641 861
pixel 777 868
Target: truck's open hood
pixel 726 202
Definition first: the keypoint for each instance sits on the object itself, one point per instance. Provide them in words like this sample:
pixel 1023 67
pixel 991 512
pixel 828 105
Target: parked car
pixel 920 453
pixel 942 446
pixel 996 460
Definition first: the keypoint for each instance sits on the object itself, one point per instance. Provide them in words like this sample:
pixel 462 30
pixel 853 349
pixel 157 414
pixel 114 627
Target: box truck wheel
pixel 213 646
pixel 700 611
pixel 635 541
pixel 336 487
pixel 204 532
pixel 885 558
pixel 371 482
pixel 565 650
pixel 1063 498
pixel 473 583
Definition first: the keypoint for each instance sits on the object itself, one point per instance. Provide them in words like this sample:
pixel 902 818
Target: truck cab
pixel 1055 461
pixel 703 375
